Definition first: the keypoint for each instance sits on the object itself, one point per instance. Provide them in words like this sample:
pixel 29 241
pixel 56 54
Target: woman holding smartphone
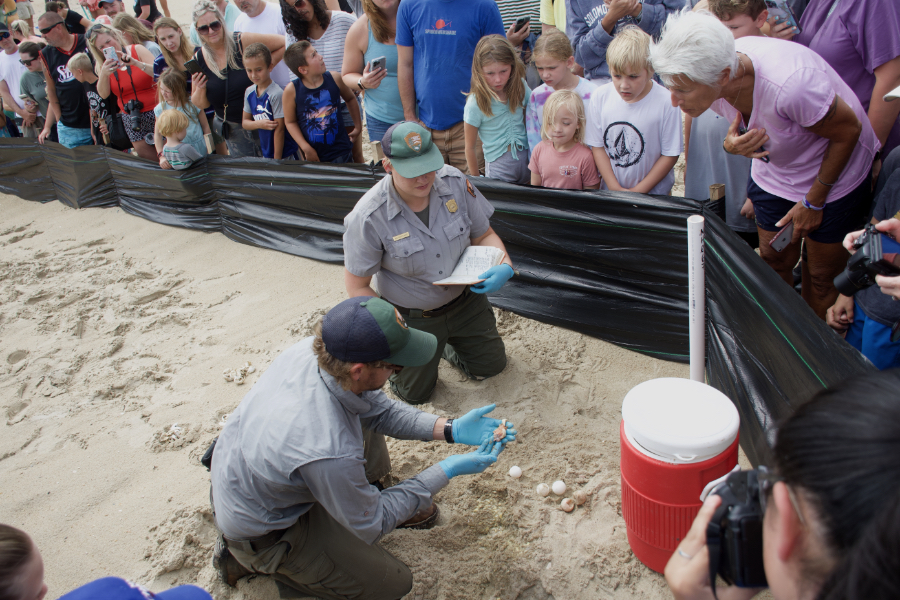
pixel 222 80
pixel 127 71
pixel 372 38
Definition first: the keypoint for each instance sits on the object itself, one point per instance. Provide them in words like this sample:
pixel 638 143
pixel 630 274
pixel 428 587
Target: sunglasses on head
pixel 27 61
pixel 46 30
pixel 205 29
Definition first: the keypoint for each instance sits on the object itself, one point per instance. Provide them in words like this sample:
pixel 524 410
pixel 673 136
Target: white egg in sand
pixel 559 488
pixel 567 504
pixel 515 472
pixel 543 489
pixel 580 497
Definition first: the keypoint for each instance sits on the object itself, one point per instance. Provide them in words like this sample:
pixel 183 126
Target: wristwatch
pixel 360 85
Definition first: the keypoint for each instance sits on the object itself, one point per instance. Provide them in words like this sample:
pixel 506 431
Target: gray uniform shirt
pixel 296 438
pixel 385 238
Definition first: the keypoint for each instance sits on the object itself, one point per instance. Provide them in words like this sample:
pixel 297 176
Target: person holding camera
pixel 826 516
pixel 865 318
pixel 127 71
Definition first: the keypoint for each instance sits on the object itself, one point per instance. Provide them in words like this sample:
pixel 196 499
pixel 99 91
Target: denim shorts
pixel 839 217
pixel 376 128
pixel 72 137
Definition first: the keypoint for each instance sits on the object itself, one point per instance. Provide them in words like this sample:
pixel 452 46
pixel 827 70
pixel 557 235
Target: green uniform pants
pixel 317 556
pixel 467 336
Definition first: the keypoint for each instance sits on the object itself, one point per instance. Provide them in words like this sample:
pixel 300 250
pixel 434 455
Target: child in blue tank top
pixel 312 107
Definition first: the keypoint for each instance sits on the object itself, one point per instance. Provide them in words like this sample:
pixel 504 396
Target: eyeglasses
pixel 4 35
pixel 205 29
pixel 46 30
pixel 27 61
pixel 767 480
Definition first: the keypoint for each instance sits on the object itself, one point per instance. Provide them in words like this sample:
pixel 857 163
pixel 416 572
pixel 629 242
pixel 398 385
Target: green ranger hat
pixel 366 329
pixel 409 147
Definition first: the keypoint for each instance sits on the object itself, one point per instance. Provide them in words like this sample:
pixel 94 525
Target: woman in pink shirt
pixel 791 111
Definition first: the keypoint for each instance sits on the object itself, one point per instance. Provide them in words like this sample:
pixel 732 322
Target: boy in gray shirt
pixel 173 126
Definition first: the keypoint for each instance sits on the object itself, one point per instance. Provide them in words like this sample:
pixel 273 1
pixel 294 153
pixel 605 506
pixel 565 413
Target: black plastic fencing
pixel 609 265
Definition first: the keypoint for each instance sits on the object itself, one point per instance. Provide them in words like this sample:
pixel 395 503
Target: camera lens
pixel 848 282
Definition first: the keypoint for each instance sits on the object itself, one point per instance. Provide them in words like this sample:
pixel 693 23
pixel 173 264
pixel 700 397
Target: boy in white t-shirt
pixel 632 128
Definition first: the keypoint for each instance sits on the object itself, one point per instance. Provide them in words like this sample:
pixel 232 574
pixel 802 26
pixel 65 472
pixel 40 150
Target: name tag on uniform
pixel 397 238
pixel 451 205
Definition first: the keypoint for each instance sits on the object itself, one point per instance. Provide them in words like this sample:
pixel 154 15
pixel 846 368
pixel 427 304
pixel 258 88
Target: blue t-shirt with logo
pixel 443 36
pixel 268 108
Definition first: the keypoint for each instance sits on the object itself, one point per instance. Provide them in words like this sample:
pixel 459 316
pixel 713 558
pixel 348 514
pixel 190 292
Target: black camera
pixel 876 254
pixel 734 535
pixel 134 108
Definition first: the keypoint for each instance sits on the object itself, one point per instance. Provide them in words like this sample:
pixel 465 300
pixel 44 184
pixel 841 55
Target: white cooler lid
pixel 680 420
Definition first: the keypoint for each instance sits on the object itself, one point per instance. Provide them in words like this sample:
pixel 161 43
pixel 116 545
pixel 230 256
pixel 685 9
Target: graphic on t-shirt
pixel 63 74
pixel 624 144
pixel 440 27
pixel 98 104
pixel 263 109
pixel 568 170
pixel 321 117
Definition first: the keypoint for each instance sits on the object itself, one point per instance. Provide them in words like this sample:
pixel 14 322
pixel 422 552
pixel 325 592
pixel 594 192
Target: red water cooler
pixel 676 436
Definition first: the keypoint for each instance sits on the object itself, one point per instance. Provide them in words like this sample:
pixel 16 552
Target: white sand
pixel 114 329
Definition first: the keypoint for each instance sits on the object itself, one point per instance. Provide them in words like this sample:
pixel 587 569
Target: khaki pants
pixel 452 144
pixel 317 556
pixel 467 336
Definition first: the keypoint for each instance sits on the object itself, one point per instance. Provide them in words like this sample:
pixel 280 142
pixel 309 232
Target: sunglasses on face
pixel 4 35
pixel 46 30
pixel 205 29
pixel 767 480
pixel 27 61
pixel 297 3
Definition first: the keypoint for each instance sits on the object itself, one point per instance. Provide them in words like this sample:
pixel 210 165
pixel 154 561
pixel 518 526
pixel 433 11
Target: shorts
pixel 72 137
pixel 25 9
pixel 873 340
pixel 376 128
pixel 146 126
pixel 839 217
pixel 507 168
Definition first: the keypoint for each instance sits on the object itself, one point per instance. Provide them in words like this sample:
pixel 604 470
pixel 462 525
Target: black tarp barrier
pixel 609 265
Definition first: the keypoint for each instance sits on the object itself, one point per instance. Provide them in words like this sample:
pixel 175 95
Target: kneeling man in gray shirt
pixel 296 470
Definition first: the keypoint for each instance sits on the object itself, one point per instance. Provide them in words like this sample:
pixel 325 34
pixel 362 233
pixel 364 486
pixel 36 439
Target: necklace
pixel 741 86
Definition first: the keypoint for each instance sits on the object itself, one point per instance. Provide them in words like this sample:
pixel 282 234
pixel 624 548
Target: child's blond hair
pixel 171 121
pixel 563 99
pixel 630 49
pixel 497 49
pixel 80 61
pixel 554 44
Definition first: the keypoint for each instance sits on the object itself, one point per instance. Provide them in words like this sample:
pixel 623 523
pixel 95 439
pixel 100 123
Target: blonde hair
pixel 171 121
pixel 99 57
pixel 201 8
pixel 128 24
pixel 497 49
pixel 79 61
pixel 630 49
pixel 563 99
pixel 185 46
pixel 554 44
pixel 176 83
pixel 381 29
pixel 21 27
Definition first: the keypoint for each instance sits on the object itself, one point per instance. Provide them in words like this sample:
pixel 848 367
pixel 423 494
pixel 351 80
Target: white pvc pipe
pixel 697 298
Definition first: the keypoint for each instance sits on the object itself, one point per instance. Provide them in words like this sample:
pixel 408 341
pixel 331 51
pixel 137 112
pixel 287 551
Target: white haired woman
pixel 222 80
pixel 792 112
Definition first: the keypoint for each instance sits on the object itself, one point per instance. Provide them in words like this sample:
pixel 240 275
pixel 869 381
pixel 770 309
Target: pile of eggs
pixel 559 488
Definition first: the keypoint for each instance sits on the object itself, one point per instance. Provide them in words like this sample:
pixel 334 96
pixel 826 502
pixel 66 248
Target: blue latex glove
pixel 473 428
pixel 473 462
pixel 494 278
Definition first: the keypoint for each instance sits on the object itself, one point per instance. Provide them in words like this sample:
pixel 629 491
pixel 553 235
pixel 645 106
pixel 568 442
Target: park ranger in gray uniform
pixel 295 471
pixel 409 231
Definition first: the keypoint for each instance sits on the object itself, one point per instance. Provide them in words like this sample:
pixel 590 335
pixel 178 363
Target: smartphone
pixel 742 130
pixel 520 23
pixel 782 238
pixel 210 143
pixel 377 63
pixel 782 12
pixel 192 66
pixel 110 53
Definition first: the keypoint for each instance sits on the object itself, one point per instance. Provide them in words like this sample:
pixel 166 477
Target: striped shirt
pixel 510 10
pixel 331 44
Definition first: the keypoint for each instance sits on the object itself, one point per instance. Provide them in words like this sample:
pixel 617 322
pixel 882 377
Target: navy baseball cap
pixel 411 150
pixel 114 588
pixel 366 329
